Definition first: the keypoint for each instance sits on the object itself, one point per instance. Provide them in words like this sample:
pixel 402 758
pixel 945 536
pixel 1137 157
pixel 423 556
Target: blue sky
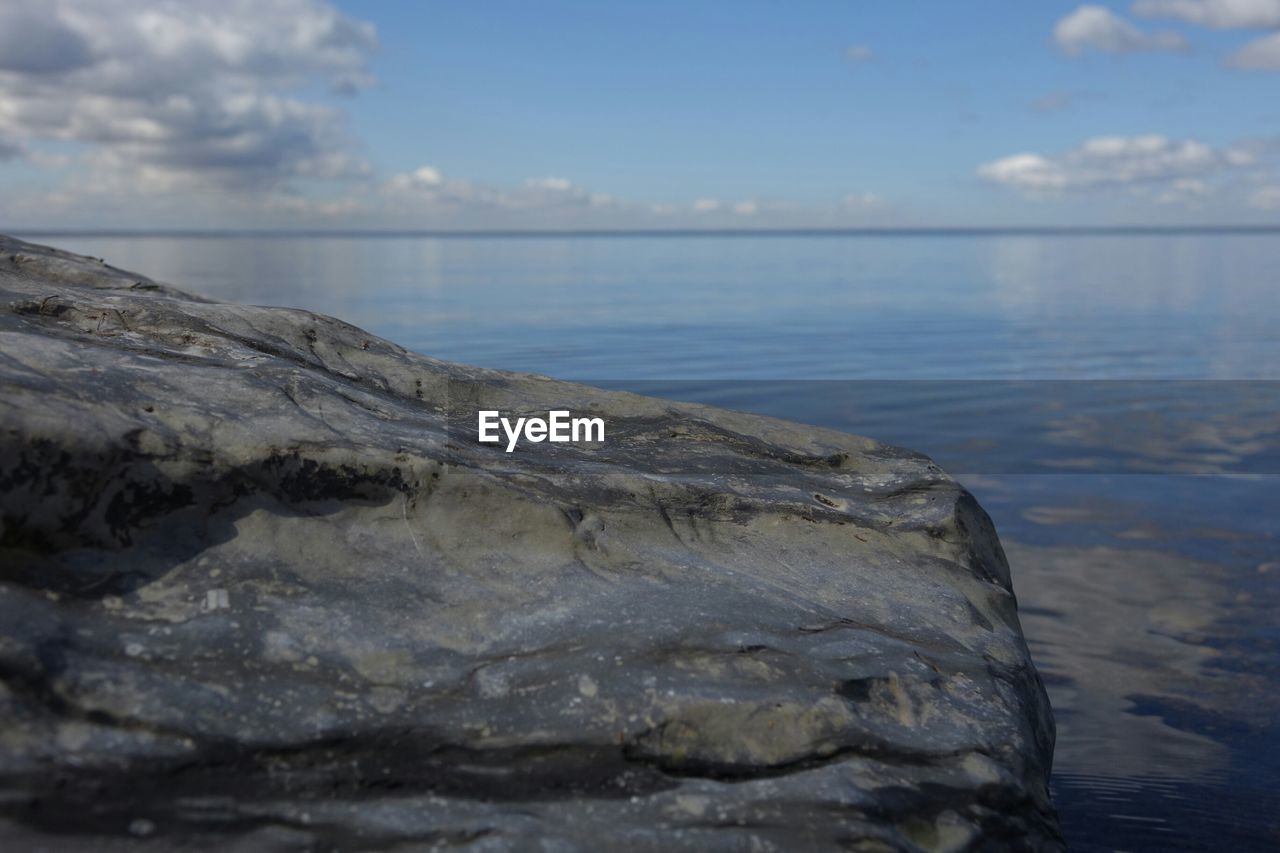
pixel 304 113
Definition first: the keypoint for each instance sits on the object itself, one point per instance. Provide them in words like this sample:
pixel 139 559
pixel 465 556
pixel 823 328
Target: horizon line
pixel 482 233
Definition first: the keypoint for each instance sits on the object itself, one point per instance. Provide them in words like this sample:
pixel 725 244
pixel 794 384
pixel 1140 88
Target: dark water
pixel 1114 402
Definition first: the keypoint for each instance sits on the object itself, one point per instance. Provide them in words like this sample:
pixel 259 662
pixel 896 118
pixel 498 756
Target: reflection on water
pixel 1149 604
pixel 1142 617
pixel 1139 517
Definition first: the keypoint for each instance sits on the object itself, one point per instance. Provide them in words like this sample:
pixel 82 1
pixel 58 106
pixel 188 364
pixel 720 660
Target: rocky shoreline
pixel 262 587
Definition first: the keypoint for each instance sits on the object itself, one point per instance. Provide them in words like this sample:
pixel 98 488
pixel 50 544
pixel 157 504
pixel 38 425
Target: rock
pixel 262 588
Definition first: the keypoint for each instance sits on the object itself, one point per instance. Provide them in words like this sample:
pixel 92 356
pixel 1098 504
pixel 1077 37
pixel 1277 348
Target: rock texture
pixel 261 588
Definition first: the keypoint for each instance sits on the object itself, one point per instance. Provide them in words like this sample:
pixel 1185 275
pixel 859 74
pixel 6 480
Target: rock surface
pixel 261 588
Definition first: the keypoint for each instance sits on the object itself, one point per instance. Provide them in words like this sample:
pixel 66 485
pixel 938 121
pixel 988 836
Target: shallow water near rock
pixel 1112 401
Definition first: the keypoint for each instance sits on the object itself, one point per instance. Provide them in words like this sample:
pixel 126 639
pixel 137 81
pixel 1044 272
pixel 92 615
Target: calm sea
pixel 1113 401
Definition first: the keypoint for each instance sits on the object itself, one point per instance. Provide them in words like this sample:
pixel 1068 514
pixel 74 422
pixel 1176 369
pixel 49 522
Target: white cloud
pixel 1098 28
pixel 1220 14
pixel 552 184
pixel 423 177
pixel 193 95
pixel 746 208
pixel 859 53
pixel 1025 172
pixel 706 205
pixel 861 201
pixel 1111 161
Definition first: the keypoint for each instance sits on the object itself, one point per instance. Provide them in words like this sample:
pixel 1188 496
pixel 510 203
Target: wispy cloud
pixel 859 53
pixel 1220 14
pixel 1053 102
pixel 862 201
pixel 1184 191
pixel 1260 55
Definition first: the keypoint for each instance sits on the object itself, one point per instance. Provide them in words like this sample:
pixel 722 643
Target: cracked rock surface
pixel 262 588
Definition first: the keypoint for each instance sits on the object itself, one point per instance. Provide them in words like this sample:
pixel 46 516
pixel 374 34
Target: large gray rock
pixel 261 587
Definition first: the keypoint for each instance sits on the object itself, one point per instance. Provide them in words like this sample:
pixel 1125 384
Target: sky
pixel 404 114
